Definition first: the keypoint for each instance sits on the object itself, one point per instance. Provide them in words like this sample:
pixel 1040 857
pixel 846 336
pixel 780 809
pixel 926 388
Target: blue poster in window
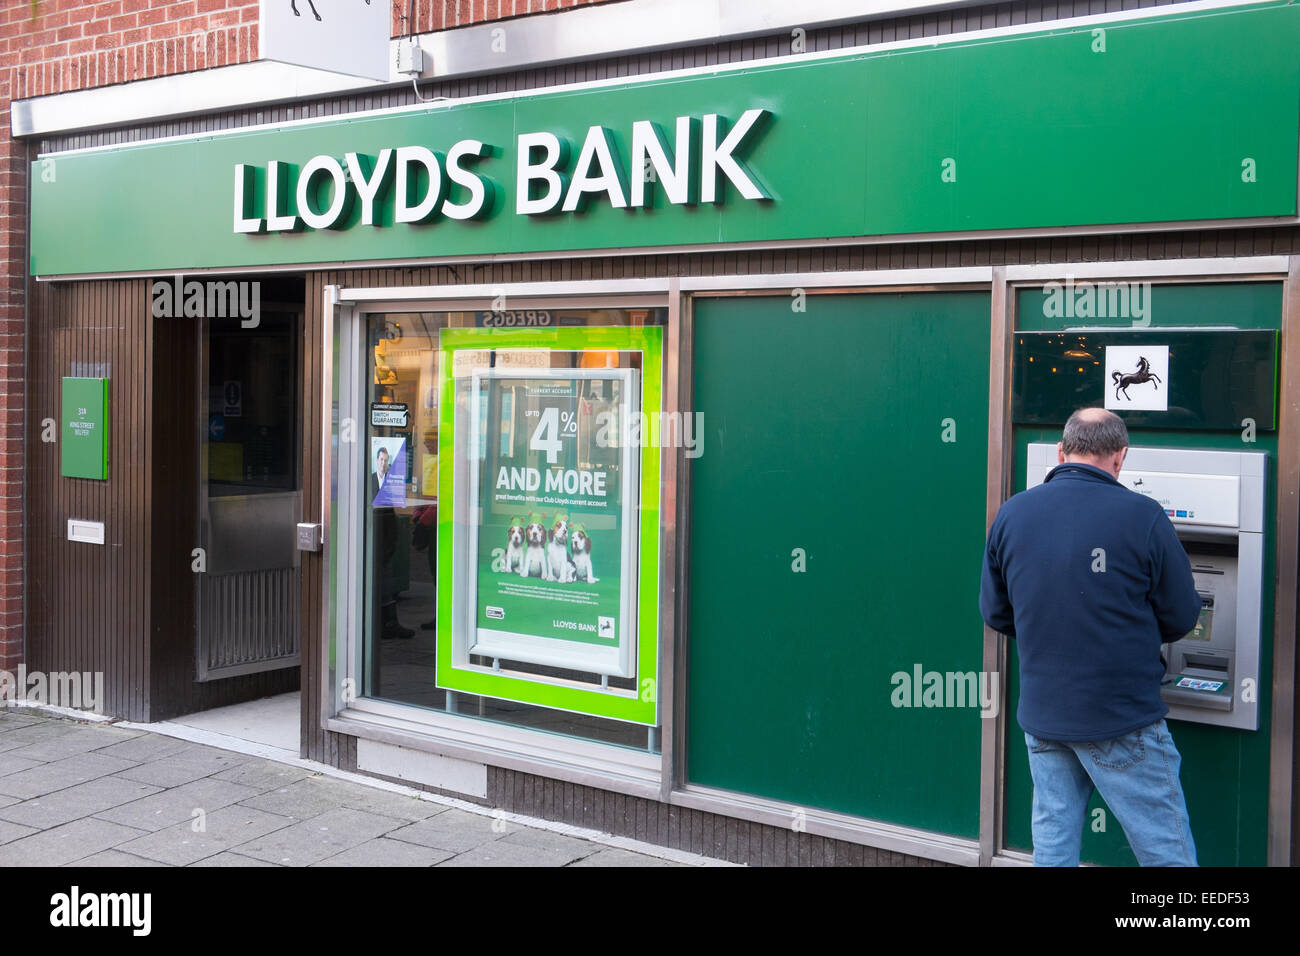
pixel 388 472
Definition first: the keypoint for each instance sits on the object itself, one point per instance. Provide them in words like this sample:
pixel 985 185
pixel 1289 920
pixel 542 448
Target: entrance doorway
pixel 250 491
pixel 225 589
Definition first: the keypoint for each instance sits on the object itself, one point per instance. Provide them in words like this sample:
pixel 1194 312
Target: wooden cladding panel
pixel 86 603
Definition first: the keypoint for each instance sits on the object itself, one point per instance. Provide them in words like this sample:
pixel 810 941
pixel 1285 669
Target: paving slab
pixel 11 719
pixel 114 858
pixel 305 798
pixel 79 795
pixel 455 830
pixel 177 804
pixel 72 841
pixel 501 853
pixel 60 774
pixel 192 763
pixel 14 831
pixel 263 775
pixel 574 848
pixel 42 728
pixel 389 804
pixel 72 803
pixel 11 764
pixel 233 859
pixel 614 856
pixel 78 741
pixel 386 852
pixel 182 845
pixel 310 841
pixel 146 747
pixel 32 733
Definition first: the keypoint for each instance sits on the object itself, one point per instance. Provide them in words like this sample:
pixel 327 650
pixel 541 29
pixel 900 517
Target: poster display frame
pixel 457 443
pixel 473 638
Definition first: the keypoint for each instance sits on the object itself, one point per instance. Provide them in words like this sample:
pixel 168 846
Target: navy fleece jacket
pixel 1089 640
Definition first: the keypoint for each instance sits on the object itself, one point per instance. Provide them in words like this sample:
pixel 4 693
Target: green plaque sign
pixel 85 428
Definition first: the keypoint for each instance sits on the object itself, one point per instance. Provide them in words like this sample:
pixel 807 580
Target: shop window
pixel 510 518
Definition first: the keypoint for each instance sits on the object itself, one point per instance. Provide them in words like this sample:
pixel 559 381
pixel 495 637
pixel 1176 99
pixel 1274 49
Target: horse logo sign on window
pixel 1137 377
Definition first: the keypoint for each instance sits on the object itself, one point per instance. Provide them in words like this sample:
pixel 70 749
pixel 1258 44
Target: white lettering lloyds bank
pixel 415 183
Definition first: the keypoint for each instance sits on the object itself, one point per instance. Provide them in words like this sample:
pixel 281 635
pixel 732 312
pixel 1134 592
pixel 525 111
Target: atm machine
pixel 1215 500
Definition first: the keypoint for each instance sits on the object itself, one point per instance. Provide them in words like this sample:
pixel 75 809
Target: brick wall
pixel 56 46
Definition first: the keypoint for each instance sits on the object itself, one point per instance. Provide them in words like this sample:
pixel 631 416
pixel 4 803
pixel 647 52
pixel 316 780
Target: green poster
pixel 538 434
pixel 553 533
pixel 84 442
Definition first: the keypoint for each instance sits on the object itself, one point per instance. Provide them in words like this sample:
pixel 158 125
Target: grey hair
pixel 1089 434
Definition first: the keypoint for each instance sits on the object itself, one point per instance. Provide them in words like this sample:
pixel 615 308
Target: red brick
pixel 207 6
pixel 161 31
pixel 123 23
pixel 94 28
pixel 156 15
pixel 181 11
pixel 222 18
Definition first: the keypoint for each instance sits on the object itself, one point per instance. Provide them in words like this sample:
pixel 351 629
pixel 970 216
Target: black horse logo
pixel 293 5
pixel 1140 377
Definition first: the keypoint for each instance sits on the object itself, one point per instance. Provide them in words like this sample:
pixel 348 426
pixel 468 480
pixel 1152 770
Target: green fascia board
pixel 1187 117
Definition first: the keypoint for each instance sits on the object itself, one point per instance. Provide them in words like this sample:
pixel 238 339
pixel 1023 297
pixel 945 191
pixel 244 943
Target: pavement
pixel 82 794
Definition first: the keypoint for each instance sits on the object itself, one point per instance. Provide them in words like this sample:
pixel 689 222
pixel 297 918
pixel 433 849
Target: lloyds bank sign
pixel 411 184
pixel 1044 130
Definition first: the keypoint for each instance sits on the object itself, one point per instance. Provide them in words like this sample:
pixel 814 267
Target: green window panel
pixel 825 448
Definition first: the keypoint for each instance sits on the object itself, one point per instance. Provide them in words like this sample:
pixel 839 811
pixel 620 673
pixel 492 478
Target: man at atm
pixel 1090 579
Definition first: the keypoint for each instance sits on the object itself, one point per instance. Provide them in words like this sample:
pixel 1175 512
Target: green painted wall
pixel 1225 771
pixel 824 432
pixel 934 138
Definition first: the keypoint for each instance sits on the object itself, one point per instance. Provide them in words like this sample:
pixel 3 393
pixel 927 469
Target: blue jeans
pixel 1137 776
